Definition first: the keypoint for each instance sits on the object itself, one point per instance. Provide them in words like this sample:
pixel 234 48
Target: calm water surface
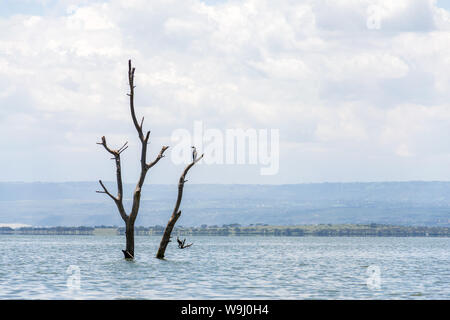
pixel 36 267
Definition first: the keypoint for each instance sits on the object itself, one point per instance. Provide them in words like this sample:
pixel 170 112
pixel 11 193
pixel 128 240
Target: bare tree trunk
pixel 118 200
pixel 129 234
pixel 176 213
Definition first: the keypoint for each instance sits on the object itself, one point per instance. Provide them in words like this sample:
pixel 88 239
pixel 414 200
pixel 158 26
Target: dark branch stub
pixel 182 244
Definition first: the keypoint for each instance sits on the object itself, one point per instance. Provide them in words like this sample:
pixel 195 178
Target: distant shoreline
pixel 323 230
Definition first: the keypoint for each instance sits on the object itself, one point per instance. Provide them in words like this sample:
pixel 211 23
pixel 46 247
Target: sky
pixel 359 90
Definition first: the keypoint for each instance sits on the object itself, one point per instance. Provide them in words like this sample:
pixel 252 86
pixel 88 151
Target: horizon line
pixel 218 183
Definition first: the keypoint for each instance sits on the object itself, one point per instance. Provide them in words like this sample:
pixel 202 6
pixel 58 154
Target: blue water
pixel 37 267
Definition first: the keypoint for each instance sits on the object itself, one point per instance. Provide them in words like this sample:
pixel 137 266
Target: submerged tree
pixel 176 212
pixel 130 219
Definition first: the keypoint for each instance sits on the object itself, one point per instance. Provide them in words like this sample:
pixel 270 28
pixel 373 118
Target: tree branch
pixel 123 148
pixel 118 200
pixel 159 157
pixel 131 95
pixel 106 191
pixel 144 141
pixel 103 143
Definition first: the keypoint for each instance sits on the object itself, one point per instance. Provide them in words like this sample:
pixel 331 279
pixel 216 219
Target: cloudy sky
pixel 359 89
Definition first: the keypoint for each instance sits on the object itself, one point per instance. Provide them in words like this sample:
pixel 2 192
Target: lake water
pixel 38 267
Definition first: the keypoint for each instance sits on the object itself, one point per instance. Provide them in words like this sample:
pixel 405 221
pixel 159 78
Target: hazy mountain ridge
pixel 76 203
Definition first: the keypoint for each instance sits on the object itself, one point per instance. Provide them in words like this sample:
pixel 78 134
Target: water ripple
pixel 35 267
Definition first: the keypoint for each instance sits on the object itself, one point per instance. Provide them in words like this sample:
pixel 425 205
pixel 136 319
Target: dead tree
pixel 176 212
pixel 130 219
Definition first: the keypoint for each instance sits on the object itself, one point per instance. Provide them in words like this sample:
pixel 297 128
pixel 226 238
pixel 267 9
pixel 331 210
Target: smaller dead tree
pixel 176 212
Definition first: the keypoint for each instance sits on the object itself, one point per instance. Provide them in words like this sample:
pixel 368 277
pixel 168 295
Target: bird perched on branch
pixel 194 154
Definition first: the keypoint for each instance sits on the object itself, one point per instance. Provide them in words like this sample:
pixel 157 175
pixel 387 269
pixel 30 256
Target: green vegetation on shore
pixel 326 230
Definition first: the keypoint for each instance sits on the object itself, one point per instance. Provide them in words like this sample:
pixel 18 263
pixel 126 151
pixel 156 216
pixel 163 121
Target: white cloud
pixel 312 69
pixel 366 65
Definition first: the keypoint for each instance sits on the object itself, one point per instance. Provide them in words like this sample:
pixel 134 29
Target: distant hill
pixel 76 204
